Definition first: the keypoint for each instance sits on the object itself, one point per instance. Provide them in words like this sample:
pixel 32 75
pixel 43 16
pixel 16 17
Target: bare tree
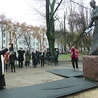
pixel 5 25
pixel 25 31
pixel 77 23
pixel 50 11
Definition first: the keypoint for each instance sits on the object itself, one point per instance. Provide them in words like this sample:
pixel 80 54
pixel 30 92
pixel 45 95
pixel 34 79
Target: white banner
pixel 2 61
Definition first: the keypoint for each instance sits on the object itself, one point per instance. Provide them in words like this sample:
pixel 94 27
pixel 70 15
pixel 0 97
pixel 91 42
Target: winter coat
pixel 21 55
pixel 12 58
pixel 34 59
pixel 75 51
pixel 6 58
pixel 27 56
pixel 42 56
pixel 56 55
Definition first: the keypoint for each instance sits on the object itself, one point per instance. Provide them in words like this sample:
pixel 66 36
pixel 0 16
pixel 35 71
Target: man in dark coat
pixel 49 57
pixel 34 59
pixel 21 57
pixel 2 79
pixel 56 57
pixel 42 58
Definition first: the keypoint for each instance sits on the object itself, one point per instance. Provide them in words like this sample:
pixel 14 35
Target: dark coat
pixel 48 56
pixel 34 59
pixel 42 56
pixel 21 55
pixel 55 55
pixel 12 58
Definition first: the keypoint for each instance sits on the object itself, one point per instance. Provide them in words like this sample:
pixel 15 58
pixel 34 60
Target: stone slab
pixel 67 72
pixel 55 89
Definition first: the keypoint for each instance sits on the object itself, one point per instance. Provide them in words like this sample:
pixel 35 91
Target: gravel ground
pixel 32 76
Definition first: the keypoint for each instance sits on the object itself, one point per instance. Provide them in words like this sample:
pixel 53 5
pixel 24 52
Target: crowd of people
pixel 23 58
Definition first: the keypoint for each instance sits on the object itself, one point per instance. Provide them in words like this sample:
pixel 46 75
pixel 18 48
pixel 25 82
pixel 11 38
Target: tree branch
pixel 78 4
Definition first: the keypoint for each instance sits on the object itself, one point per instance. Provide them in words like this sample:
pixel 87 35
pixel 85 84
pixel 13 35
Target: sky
pixel 21 11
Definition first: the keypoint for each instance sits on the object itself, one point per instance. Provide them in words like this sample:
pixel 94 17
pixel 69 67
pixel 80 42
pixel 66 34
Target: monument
pixel 90 62
pixel 94 21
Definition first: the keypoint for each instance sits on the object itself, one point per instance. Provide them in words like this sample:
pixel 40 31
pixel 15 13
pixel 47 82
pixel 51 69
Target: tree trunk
pixel 50 23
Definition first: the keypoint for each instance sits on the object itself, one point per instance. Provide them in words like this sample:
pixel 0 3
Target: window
pixel 34 43
pixel 3 34
pixel 19 42
pixel 25 43
pixel 22 41
pixel 3 41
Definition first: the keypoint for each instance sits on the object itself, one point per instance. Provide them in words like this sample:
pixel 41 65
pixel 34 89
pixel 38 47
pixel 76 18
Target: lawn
pixel 67 56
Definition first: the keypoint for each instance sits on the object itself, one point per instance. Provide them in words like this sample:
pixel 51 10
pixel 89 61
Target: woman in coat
pixel 12 58
pixel 21 57
pixel 74 57
pixel 2 79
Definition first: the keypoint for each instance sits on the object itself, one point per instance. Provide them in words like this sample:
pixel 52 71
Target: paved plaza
pixel 32 76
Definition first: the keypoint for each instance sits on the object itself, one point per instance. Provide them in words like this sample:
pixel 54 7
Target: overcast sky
pixel 20 11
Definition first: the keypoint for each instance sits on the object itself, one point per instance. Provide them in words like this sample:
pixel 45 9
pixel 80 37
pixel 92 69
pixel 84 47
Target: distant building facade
pixel 36 41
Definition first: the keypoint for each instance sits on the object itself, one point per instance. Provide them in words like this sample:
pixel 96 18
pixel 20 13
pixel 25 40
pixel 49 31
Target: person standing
pixel 21 57
pixel 49 57
pixel 38 56
pixel 12 59
pixel 74 57
pixel 6 59
pixel 42 58
pixel 34 59
pixel 27 58
pixel 56 58
pixel 2 78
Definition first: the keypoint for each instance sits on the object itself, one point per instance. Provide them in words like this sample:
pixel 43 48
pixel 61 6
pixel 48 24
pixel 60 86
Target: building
pixel 22 36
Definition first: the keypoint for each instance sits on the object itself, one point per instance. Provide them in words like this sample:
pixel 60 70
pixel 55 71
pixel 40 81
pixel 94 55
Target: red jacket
pixel 6 58
pixel 75 51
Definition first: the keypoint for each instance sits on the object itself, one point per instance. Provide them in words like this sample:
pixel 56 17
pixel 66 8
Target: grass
pixel 67 56
pixel 64 56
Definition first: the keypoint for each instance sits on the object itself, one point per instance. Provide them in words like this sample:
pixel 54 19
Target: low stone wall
pixel 90 67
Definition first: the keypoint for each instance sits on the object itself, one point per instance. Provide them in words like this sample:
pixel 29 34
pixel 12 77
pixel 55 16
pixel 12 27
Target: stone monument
pixel 90 62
